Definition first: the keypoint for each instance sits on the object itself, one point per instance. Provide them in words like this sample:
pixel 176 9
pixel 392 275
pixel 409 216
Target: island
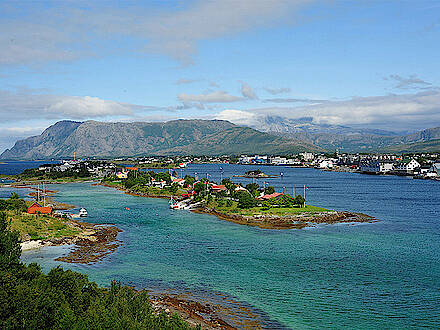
pixel 256 174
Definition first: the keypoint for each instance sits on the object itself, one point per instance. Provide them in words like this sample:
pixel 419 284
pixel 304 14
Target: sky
pixel 372 64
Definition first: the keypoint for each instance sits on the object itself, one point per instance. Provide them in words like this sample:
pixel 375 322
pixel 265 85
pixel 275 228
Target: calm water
pixel 11 167
pixel 385 274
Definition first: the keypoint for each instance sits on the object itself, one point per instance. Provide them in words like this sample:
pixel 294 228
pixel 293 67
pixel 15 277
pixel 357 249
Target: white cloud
pixel 214 97
pixel 248 92
pixel 237 117
pixel 276 91
pixel 412 82
pixel 66 31
pixel 26 105
pixel 396 112
pixel 183 81
pixel 87 106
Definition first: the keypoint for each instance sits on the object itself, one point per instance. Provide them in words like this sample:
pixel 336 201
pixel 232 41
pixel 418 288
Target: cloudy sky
pixel 356 63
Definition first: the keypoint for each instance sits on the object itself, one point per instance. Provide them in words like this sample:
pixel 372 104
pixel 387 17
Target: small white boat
pixel 175 205
pixel 82 213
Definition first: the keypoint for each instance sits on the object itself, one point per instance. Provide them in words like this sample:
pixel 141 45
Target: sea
pixel 384 274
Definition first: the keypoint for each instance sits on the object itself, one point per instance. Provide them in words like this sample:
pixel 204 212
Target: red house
pixel 274 195
pixel 218 187
pixel 38 209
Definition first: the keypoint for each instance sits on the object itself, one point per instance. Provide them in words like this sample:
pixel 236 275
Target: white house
pixel 376 167
pixel 326 164
pixel 406 166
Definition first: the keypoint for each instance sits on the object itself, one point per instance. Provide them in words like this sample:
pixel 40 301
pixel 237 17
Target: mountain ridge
pixel 344 138
pixel 107 139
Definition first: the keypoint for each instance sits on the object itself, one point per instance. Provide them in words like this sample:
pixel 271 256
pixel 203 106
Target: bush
pixel 299 200
pixel 269 190
pixel 246 200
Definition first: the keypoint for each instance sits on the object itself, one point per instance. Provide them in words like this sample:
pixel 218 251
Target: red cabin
pixel 38 209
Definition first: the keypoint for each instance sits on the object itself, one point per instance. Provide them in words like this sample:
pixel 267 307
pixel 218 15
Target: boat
pixel 82 213
pixel 175 205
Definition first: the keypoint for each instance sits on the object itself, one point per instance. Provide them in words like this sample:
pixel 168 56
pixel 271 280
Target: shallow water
pixel 385 274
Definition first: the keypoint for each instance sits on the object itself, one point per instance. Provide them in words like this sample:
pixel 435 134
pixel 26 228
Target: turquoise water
pixel 385 274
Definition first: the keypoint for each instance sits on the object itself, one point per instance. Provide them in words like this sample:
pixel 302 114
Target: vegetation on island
pixel 63 299
pixel 227 198
pixel 34 226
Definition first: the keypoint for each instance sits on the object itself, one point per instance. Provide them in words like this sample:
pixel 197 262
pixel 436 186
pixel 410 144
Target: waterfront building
pixel 376 167
pixel 406 166
pixel 435 168
pixel 38 209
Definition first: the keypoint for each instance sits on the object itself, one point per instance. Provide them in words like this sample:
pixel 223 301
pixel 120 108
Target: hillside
pixel 425 146
pixel 197 137
pixel 347 139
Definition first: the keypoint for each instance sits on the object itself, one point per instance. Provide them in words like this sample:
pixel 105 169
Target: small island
pixel 256 174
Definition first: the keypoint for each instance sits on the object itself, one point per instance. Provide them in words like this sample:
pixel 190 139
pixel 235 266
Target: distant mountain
pixel 190 137
pixel 425 146
pixel 343 138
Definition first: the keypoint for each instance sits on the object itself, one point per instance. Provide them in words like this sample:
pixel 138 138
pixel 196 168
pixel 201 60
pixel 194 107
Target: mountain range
pixel 348 139
pixel 189 137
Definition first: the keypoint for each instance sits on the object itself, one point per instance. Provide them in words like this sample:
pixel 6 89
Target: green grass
pixel 40 226
pixel 281 211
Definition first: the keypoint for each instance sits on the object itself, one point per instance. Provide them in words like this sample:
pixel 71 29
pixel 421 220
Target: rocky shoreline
pixel 93 244
pixel 298 221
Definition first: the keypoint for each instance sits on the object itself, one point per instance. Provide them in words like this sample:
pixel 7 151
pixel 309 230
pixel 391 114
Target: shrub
pixel 246 200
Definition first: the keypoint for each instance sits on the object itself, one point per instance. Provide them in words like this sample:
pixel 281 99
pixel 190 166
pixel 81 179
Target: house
pixel 132 168
pixel 240 188
pixel 307 156
pixel 218 187
pixel 435 168
pixel 376 167
pixel 267 197
pixel 406 166
pixel 179 181
pixel 326 164
pixel 122 175
pixel 160 184
pixel 38 209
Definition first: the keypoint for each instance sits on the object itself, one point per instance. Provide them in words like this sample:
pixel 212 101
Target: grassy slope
pixel 40 226
pixel 426 146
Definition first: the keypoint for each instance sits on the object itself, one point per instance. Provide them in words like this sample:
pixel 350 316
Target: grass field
pixel 40 226
pixel 281 211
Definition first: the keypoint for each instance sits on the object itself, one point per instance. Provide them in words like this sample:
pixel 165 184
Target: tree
pixel 173 189
pixel 246 200
pixel 253 188
pixel 269 190
pixel 10 250
pixel 199 187
pixel 189 180
pixel 299 200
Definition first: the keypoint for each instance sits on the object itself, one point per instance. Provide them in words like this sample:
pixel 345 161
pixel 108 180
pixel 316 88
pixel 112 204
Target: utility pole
pixel 304 195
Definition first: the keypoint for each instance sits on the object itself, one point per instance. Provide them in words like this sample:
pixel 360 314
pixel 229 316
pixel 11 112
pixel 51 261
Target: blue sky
pixel 356 63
